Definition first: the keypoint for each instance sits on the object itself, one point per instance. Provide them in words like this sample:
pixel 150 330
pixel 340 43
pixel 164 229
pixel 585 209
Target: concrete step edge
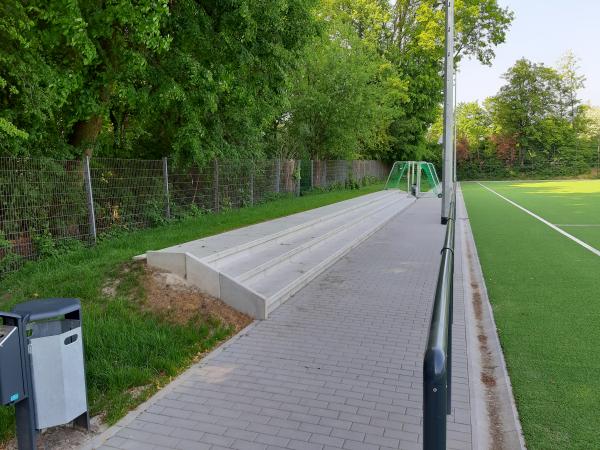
pixel 307 246
pixel 248 245
pixel 275 300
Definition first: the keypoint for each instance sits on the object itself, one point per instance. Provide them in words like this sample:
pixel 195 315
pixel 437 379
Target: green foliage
pixel 199 80
pixel 9 260
pixel 536 126
pixel 409 34
pixel 343 99
pixel 530 109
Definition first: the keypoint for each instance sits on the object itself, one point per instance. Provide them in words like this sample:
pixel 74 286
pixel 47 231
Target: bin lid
pixel 47 308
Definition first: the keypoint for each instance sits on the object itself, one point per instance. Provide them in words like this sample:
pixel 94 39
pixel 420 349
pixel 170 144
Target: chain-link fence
pixel 499 170
pixel 48 205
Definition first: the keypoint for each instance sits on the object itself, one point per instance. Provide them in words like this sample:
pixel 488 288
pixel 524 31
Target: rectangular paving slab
pixel 339 365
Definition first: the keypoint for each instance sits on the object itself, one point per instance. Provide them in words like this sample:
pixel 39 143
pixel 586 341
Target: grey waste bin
pixel 57 363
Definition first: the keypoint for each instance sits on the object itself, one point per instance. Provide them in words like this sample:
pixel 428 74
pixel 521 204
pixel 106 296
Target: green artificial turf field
pixel 545 292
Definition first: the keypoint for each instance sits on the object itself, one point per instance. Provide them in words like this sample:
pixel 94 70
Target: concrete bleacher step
pixel 241 263
pixel 256 269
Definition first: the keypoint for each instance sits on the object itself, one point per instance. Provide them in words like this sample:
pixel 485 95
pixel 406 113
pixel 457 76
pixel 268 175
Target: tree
pixel 474 130
pixel 198 80
pixel 410 34
pixel 33 89
pixel 570 83
pixel 591 130
pixel 226 80
pixel 529 109
pixel 344 98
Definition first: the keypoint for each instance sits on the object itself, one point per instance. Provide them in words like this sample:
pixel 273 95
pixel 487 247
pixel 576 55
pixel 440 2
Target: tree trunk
pixel 85 133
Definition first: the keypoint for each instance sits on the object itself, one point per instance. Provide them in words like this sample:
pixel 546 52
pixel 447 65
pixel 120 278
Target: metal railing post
pixel 87 177
pixel 165 169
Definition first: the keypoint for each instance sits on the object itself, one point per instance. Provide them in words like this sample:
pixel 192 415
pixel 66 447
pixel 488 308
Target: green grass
pixel 544 290
pixel 126 347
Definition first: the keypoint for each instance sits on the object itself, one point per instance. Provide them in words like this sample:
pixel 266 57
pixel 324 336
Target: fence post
pixel 87 176
pixel 252 169
pixel 165 168
pixel 298 171
pixel 312 174
pixel 350 171
pixel 277 174
pixel 216 186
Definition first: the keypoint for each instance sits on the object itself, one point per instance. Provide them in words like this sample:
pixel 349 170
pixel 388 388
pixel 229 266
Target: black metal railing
pixel 437 364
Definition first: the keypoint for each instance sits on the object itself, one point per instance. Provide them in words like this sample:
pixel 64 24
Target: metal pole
pixel 447 170
pixel 298 171
pixel 165 169
pixel 87 176
pixel 216 185
pixel 25 409
pixel 455 129
pixel 277 174
pixel 252 169
pixel 312 173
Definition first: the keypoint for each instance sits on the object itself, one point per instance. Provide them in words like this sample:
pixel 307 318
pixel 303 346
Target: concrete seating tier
pixel 255 269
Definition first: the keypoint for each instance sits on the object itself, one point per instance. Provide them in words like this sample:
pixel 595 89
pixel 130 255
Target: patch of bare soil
pixel 66 437
pixel 488 366
pixel 171 294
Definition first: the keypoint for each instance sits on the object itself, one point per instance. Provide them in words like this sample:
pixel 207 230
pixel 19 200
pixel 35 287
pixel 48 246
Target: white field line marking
pixel 577 224
pixel 541 219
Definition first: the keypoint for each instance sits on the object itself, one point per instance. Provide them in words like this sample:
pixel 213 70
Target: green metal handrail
pixel 437 363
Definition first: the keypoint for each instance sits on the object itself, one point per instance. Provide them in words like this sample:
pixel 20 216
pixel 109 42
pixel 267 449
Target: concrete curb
pixel 488 400
pixel 97 441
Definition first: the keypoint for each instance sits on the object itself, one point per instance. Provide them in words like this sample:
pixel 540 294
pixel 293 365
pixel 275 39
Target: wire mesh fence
pixel 543 169
pixel 47 206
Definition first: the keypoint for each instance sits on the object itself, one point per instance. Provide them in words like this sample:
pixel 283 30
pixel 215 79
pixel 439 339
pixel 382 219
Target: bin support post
pixel 165 169
pixel 25 409
pixel 26 432
pixel 87 178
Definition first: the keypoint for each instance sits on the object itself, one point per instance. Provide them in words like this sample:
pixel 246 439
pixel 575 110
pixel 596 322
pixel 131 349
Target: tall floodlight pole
pixel 455 128
pixel 448 158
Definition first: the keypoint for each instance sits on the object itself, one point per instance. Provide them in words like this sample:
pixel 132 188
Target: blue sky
pixel 542 31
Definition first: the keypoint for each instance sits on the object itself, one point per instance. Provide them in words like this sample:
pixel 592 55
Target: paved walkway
pixel 337 366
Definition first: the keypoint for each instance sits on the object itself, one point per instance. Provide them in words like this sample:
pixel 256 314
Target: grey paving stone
pixel 336 366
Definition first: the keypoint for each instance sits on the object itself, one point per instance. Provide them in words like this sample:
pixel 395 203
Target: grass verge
pixel 543 288
pixel 130 351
